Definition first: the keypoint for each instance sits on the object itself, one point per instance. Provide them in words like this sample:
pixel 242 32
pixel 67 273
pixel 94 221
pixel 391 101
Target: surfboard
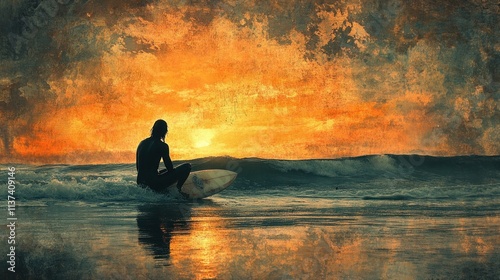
pixel 204 183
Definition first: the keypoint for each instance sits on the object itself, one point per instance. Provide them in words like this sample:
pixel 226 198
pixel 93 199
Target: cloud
pixel 326 79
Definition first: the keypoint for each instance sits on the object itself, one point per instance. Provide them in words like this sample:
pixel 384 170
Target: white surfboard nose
pixel 204 183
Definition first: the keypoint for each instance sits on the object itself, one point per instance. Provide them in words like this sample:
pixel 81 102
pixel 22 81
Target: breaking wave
pixel 382 177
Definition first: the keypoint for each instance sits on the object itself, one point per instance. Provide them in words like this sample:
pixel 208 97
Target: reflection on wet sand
pixel 206 240
pixel 194 246
pixel 157 224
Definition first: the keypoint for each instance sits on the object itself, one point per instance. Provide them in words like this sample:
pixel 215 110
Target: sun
pixel 202 137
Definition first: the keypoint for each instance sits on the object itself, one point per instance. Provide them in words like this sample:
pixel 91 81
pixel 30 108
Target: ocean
pixel 370 217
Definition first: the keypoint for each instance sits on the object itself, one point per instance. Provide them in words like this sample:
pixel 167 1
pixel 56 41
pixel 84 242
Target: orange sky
pixel 230 87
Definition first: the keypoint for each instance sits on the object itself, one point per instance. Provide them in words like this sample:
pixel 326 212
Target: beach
pixel 359 218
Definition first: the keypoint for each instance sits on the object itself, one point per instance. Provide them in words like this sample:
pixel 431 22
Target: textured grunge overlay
pixel 83 80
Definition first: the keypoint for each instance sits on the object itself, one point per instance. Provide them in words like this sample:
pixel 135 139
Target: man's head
pixel 159 130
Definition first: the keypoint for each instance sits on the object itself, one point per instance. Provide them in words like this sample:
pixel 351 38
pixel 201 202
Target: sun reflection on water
pixel 203 242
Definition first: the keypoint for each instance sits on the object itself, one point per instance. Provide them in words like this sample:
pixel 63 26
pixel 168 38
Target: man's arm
pixel 166 159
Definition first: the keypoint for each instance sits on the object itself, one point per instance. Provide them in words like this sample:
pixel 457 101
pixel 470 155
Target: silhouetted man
pixel 149 153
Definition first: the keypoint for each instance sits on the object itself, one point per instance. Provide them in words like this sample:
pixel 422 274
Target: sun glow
pixel 202 137
pixel 244 87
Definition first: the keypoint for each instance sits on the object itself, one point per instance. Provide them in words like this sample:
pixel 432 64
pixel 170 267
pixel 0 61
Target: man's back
pixel 148 156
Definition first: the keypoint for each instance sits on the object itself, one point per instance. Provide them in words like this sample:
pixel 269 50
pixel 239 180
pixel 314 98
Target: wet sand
pixel 288 238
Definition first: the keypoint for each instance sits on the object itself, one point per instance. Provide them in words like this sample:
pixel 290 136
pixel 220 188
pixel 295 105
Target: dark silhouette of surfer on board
pixel 149 153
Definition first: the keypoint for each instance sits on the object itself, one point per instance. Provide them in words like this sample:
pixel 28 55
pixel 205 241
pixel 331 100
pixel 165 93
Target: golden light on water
pixel 205 248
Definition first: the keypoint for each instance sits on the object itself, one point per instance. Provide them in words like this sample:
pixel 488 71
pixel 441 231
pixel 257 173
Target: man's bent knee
pixel 185 167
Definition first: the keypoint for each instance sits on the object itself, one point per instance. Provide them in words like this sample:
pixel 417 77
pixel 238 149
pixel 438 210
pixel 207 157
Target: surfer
pixel 149 153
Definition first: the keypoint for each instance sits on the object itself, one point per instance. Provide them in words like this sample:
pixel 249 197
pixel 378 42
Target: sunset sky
pixel 83 81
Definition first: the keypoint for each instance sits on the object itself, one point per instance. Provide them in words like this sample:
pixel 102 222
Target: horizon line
pixel 47 163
